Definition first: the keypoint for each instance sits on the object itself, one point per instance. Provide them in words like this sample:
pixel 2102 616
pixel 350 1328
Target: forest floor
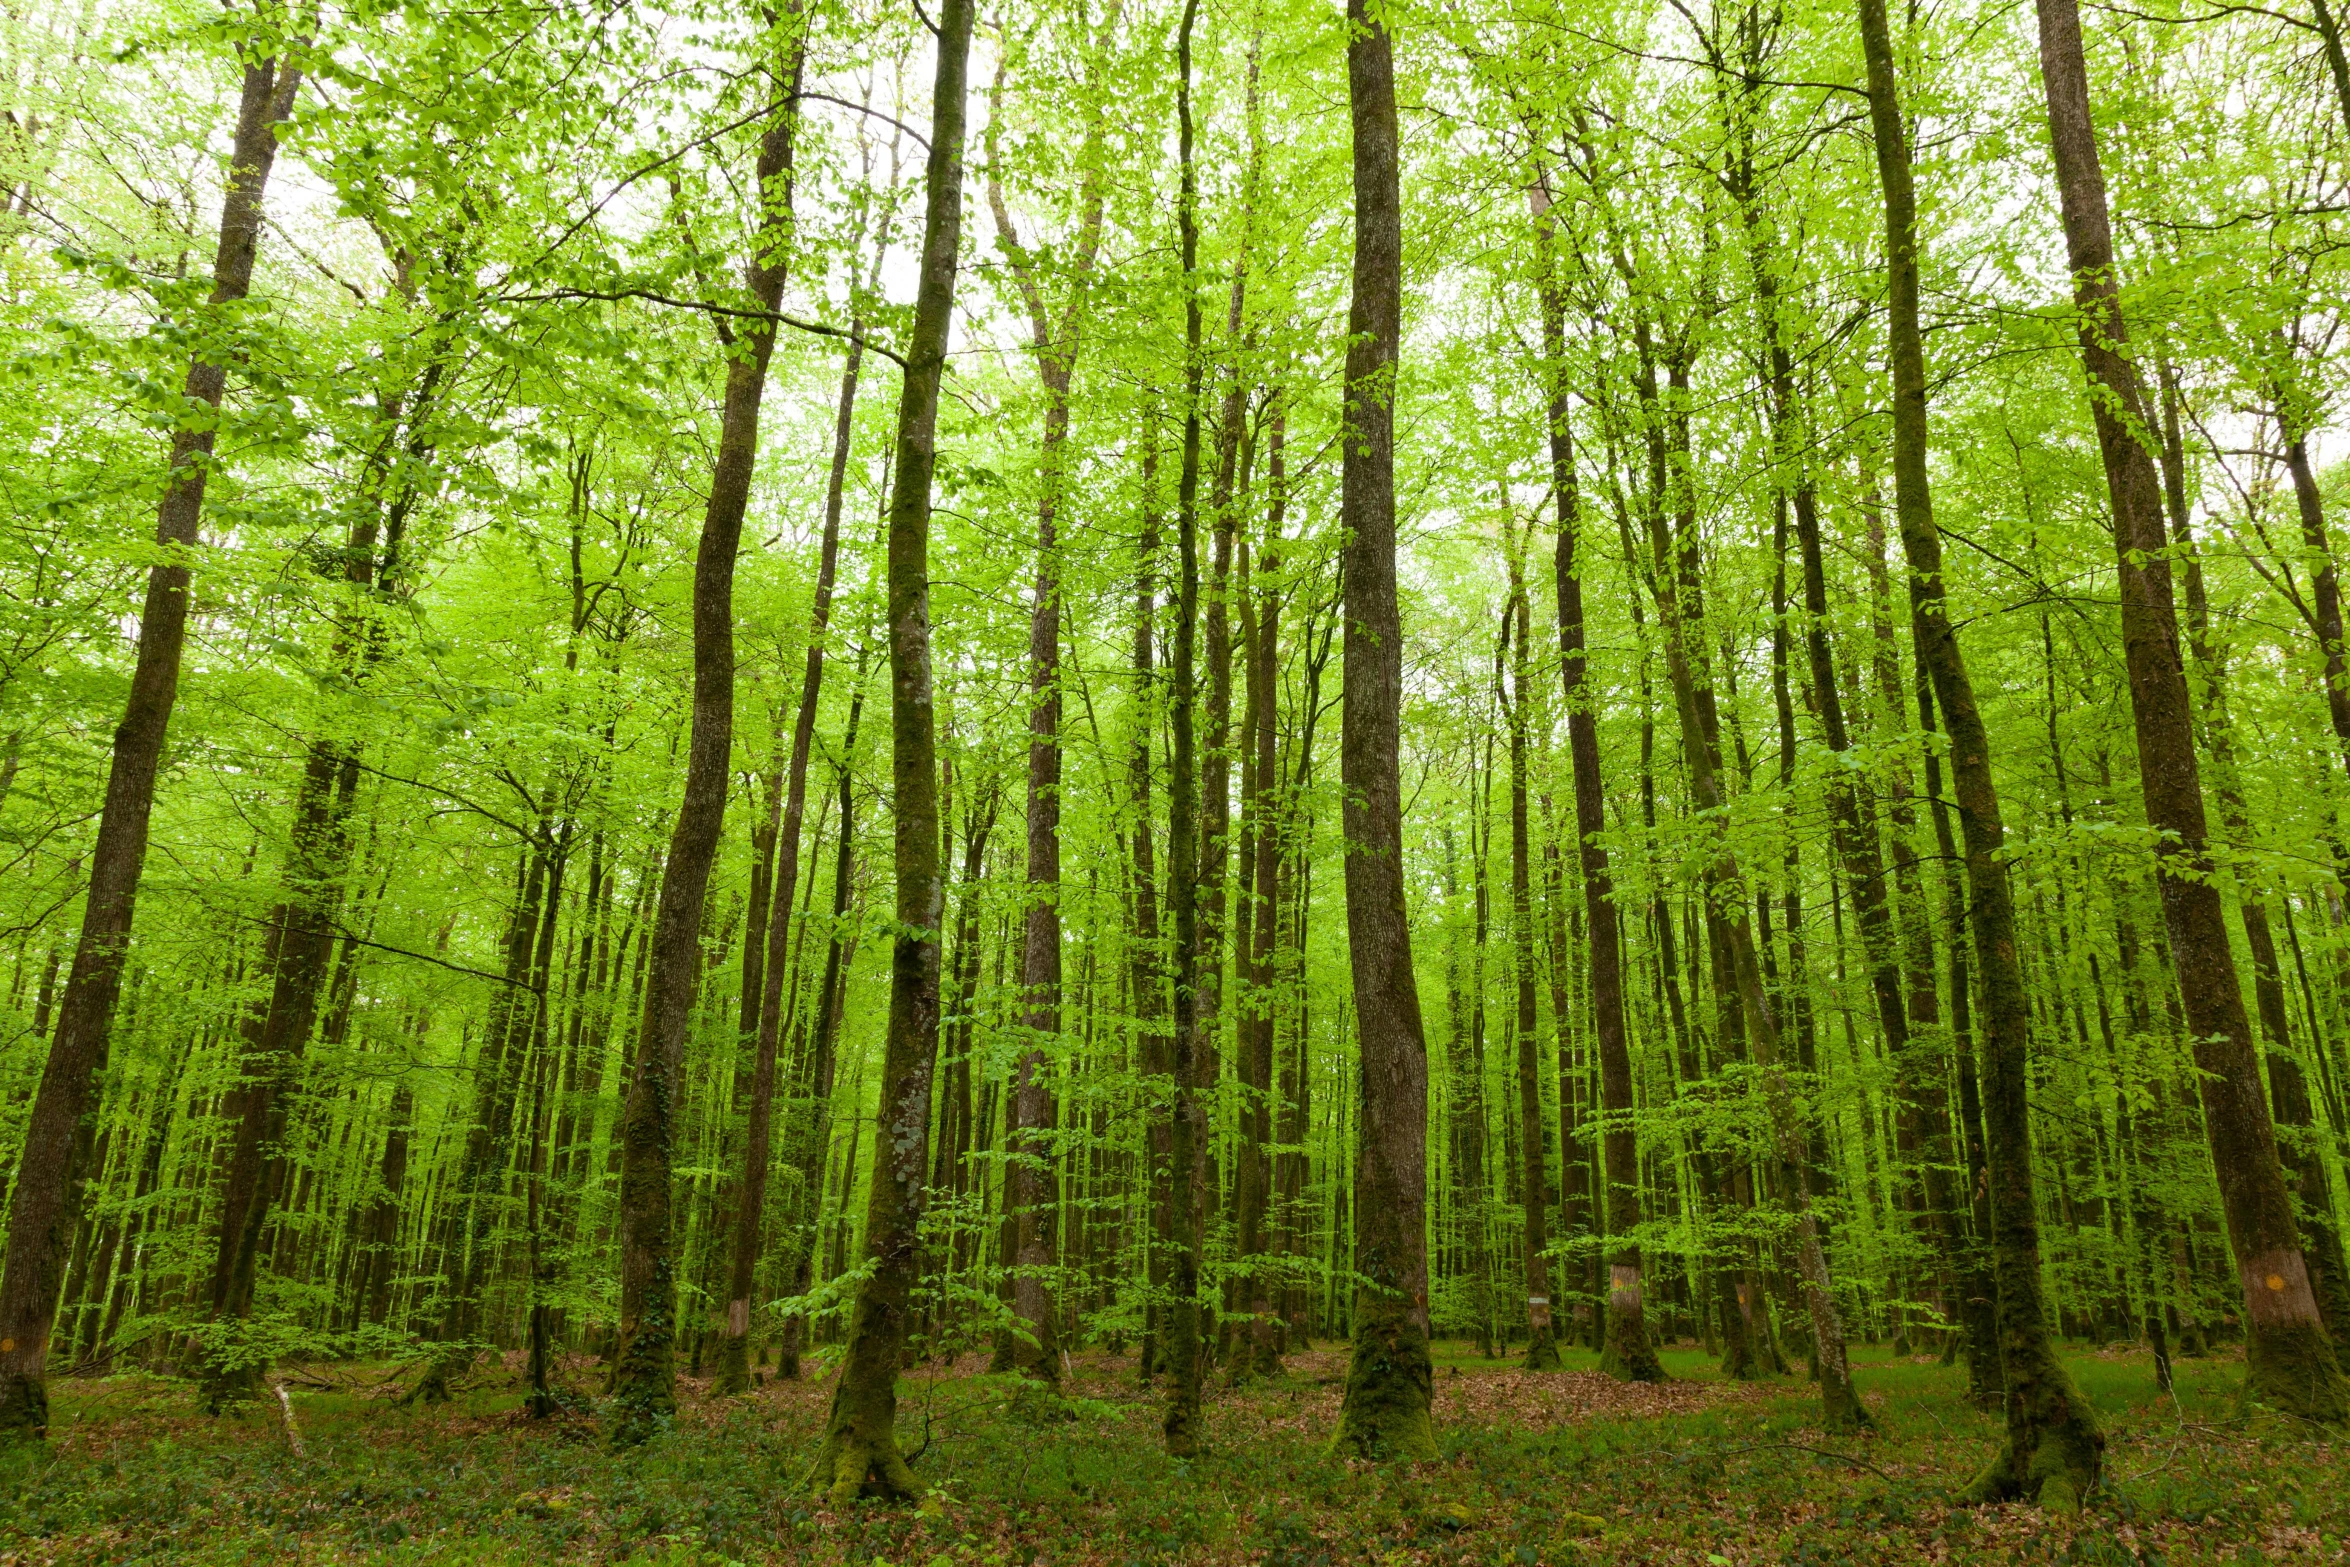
pixel 1537 1469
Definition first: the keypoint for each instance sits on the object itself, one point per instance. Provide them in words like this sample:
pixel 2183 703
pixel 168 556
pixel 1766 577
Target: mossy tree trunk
pixel 644 1370
pixel 774 931
pixel 2054 1448
pixel 1385 1411
pixel 860 1455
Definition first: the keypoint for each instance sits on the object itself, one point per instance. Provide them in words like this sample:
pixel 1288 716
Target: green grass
pixel 1536 1469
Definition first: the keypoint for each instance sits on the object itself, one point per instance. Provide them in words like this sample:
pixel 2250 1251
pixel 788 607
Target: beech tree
pixel 1799 617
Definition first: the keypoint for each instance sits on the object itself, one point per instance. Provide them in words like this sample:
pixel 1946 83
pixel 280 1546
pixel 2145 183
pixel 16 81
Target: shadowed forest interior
pixel 1124 780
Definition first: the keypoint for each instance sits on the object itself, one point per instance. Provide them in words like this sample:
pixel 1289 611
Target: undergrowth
pixel 1536 1469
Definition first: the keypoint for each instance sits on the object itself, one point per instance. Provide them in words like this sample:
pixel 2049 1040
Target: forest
pixel 1208 781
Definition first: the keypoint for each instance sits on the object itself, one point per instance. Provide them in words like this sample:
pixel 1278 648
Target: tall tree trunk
pixel 1385 1411
pixel 1674 579
pixel 2054 1449
pixel 1627 1352
pixel 1032 1197
pixel 2298 1149
pixel 813 1134
pixel 1261 1233
pixel 734 1369
pixel 1153 1053
pixel 1187 1121
pixel 860 1452
pixel 2288 1359
pixel 644 1372
pixel 1534 1181
pixel 45 1198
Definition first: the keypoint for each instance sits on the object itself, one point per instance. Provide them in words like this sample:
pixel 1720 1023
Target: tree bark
pixel 1674 580
pixel 1534 1178
pixel 644 1372
pixel 1626 1352
pixel 1187 1132
pixel 2054 1448
pixel 1031 1191
pixel 46 1196
pixel 860 1453
pixel 1385 1410
pixel 734 1369
pixel 2288 1359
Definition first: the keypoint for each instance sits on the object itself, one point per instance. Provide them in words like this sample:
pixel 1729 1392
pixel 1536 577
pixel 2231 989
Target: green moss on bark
pixel 1389 1384
pixel 24 1408
pixel 860 1456
pixel 733 1375
pixel 2291 1367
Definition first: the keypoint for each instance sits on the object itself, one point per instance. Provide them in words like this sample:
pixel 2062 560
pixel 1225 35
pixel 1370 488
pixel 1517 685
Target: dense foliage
pixel 529 945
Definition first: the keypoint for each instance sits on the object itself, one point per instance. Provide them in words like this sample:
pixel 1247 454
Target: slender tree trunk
pixel 734 1370
pixel 1534 1179
pixel 1385 1411
pixel 860 1452
pixel 1187 1121
pixel 1152 1051
pixel 46 1196
pixel 644 1373
pixel 2287 1357
pixel 813 1135
pixel 1674 580
pixel 2054 1449
pixel 1627 1352
pixel 1261 1231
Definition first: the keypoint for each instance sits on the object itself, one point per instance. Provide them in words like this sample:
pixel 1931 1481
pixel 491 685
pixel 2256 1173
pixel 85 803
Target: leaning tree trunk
pixel 1385 1411
pixel 644 1371
pixel 2054 1448
pixel 2288 1360
pixel 45 1198
pixel 860 1453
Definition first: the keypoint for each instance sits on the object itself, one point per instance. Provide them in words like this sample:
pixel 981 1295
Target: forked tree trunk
pixel 1385 1411
pixel 2054 1449
pixel 45 1198
pixel 2288 1360
pixel 860 1453
pixel 644 1372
